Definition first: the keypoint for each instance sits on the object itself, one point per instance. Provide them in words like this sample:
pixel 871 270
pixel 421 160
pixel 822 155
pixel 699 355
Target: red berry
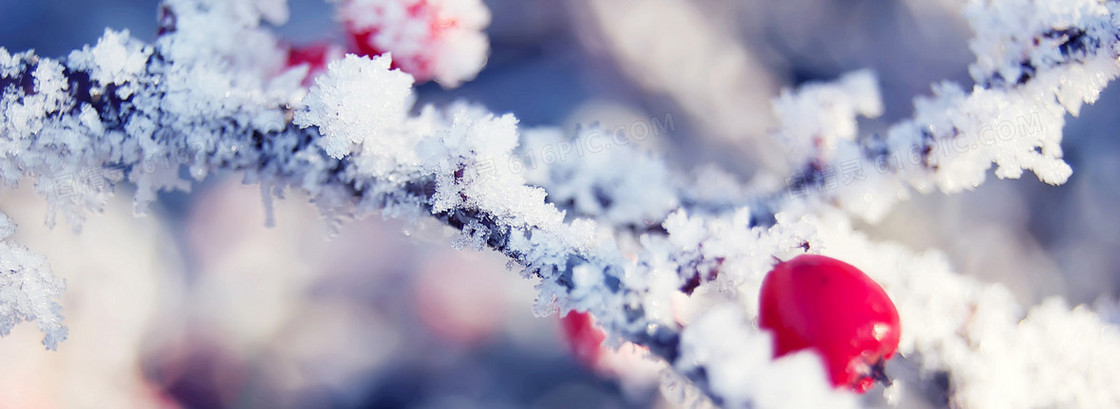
pixel 416 61
pixel 830 306
pixel 429 39
pixel 584 338
pixel 315 56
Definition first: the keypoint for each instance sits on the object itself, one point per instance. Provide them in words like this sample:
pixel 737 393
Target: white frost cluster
pixel 225 67
pixel 463 147
pixel 363 103
pixel 1000 48
pixel 819 116
pixel 430 39
pixel 1012 118
pixel 740 365
pixel 115 60
pixel 33 135
pixel 598 176
pixel 28 290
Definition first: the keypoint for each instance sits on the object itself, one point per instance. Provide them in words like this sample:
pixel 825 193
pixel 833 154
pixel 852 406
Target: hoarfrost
pixel 28 290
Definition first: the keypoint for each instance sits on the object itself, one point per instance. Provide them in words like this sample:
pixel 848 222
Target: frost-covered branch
pixel 129 110
pixel 212 94
pixel 1059 55
pixel 1036 61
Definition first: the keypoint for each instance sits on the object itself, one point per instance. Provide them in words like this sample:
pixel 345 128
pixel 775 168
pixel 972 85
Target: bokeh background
pixel 200 305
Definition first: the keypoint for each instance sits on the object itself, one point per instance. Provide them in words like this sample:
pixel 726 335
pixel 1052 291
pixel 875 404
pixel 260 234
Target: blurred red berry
pixel 419 64
pixel 820 303
pixel 316 56
pixel 429 39
pixel 584 338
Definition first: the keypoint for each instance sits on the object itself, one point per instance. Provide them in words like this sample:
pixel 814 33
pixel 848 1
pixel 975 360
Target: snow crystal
pixel 820 115
pixel 28 290
pixel 999 26
pixel 116 59
pixel 741 371
pixel 51 85
pixel 1008 135
pixel 340 105
pixel 225 36
pixel 9 65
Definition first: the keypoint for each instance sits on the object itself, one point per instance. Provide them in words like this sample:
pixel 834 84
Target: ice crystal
pixel 28 290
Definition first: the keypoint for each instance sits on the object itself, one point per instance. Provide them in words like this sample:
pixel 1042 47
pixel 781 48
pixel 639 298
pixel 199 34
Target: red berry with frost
pixel 584 338
pixel 429 39
pixel 820 303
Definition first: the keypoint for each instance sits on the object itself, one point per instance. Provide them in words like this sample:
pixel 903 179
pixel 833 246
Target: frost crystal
pixel 28 290
pixel 341 105
pixel 822 115
pixel 741 369
pixel 114 60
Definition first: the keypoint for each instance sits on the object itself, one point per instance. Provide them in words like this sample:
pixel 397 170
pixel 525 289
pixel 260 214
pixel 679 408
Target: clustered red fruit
pixel 829 306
